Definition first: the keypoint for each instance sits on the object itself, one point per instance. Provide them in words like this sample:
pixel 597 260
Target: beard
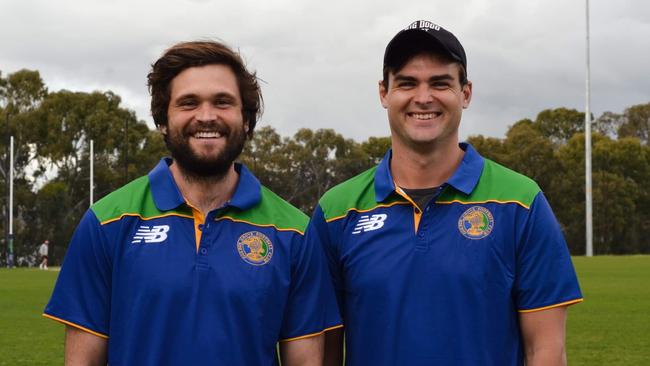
pixel 198 167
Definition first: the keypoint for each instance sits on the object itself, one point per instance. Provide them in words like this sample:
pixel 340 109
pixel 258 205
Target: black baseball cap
pixel 423 34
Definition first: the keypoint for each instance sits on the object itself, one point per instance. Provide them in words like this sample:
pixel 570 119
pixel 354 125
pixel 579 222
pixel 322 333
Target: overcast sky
pixel 321 60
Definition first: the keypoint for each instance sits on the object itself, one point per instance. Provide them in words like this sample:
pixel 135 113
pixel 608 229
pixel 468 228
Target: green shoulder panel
pixel 497 184
pixel 357 193
pixel 132 199
pixel 271 211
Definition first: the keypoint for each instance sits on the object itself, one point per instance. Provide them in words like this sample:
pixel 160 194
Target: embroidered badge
pixel 255 248
pixel 476 223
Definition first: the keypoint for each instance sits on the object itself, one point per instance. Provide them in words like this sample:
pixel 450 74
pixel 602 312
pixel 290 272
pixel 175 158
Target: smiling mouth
pixel 207 135
pixel 425 116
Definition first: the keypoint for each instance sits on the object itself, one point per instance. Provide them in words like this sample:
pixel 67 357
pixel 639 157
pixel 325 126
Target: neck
pixel 413 168
pixel 205 193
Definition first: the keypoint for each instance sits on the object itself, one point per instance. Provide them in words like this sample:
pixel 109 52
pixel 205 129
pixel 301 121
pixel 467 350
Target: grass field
pixel 611 327
pixel 27 338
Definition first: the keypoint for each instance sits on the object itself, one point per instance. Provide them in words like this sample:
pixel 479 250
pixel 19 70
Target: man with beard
pixel 195 263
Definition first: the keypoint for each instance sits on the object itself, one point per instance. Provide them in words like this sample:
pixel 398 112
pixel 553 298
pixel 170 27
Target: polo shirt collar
pixel 165 192
pixel 384 183
pixel 464 178
pixel 167 196
pixel 249 190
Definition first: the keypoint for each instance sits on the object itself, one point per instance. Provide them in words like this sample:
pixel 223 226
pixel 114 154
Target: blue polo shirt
pixel 443 285
pixel 167 286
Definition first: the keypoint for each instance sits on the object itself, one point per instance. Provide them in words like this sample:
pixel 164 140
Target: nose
pixel 423 94
pixel 206 112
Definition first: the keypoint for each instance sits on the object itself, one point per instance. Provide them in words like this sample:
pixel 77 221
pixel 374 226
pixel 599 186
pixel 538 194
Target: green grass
pixel 611 327
pixel 27 338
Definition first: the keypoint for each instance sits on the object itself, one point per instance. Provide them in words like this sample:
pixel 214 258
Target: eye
pixel 440 85
pixel 186 103
pixel 224 102
pixel 406 84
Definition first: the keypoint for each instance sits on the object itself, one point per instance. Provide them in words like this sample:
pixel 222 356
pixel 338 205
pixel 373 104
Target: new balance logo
pixel 370 223
pixel 155 234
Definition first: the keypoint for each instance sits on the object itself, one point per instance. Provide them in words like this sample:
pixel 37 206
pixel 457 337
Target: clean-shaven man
pixel 439 256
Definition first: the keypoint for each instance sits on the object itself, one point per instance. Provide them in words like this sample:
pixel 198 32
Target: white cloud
pixel 321 60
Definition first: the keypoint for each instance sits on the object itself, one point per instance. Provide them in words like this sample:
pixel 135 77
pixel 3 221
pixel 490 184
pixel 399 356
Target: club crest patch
pixel 476 223
pixel 255 248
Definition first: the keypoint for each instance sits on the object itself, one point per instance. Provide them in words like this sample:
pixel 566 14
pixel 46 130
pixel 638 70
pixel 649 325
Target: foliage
pixel 303 168
pixel 636 123
pixel 620 172
pixel 560 124
pixel 52 132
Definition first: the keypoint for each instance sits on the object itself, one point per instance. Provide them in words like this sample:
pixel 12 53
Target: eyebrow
pixel 190 96
pixel 185 97
pixel 442 77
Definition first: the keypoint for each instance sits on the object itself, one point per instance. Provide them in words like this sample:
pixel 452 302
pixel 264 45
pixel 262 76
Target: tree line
pixel 52 132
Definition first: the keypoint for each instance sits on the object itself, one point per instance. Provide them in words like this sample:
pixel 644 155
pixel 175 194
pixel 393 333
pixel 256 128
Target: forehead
pixel 428 63
pixel 204 80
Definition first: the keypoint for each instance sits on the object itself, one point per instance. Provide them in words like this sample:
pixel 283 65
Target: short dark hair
pixel 422 49
pixel 201 53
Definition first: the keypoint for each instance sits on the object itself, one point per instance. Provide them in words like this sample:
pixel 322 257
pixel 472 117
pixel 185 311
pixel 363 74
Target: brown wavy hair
pixel 200 53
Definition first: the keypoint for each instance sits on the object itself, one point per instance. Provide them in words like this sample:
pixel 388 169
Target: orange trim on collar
pixel 417 212
pixel 199 219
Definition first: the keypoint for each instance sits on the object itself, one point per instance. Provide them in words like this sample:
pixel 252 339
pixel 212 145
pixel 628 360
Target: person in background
pixel 43 250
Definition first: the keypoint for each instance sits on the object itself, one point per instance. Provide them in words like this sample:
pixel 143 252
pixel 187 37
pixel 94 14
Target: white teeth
pixel 425 115
pixel 207 134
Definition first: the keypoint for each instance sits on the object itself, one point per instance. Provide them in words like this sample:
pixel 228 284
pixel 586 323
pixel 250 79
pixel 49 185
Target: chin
pixel 425 139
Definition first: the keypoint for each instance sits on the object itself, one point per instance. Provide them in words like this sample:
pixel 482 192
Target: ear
pixel 382 94
pixel 162 129
pixel 467 94
pixel 246 126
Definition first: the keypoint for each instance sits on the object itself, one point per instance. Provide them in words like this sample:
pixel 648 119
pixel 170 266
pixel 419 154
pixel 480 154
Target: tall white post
pixel 588 190
pixel 92 182
pixel 11 186
pixel 10 243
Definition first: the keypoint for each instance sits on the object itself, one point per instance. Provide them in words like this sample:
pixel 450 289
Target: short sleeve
pixel 545 275
pixel 319 233
pixel 81 296
pixel 311 307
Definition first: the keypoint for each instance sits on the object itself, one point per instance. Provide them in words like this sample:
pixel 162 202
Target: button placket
pixel 422 240
pixel 206 239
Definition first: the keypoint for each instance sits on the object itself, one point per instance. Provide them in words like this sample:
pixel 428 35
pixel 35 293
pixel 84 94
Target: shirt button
pixel 200 227
pixel 204 251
